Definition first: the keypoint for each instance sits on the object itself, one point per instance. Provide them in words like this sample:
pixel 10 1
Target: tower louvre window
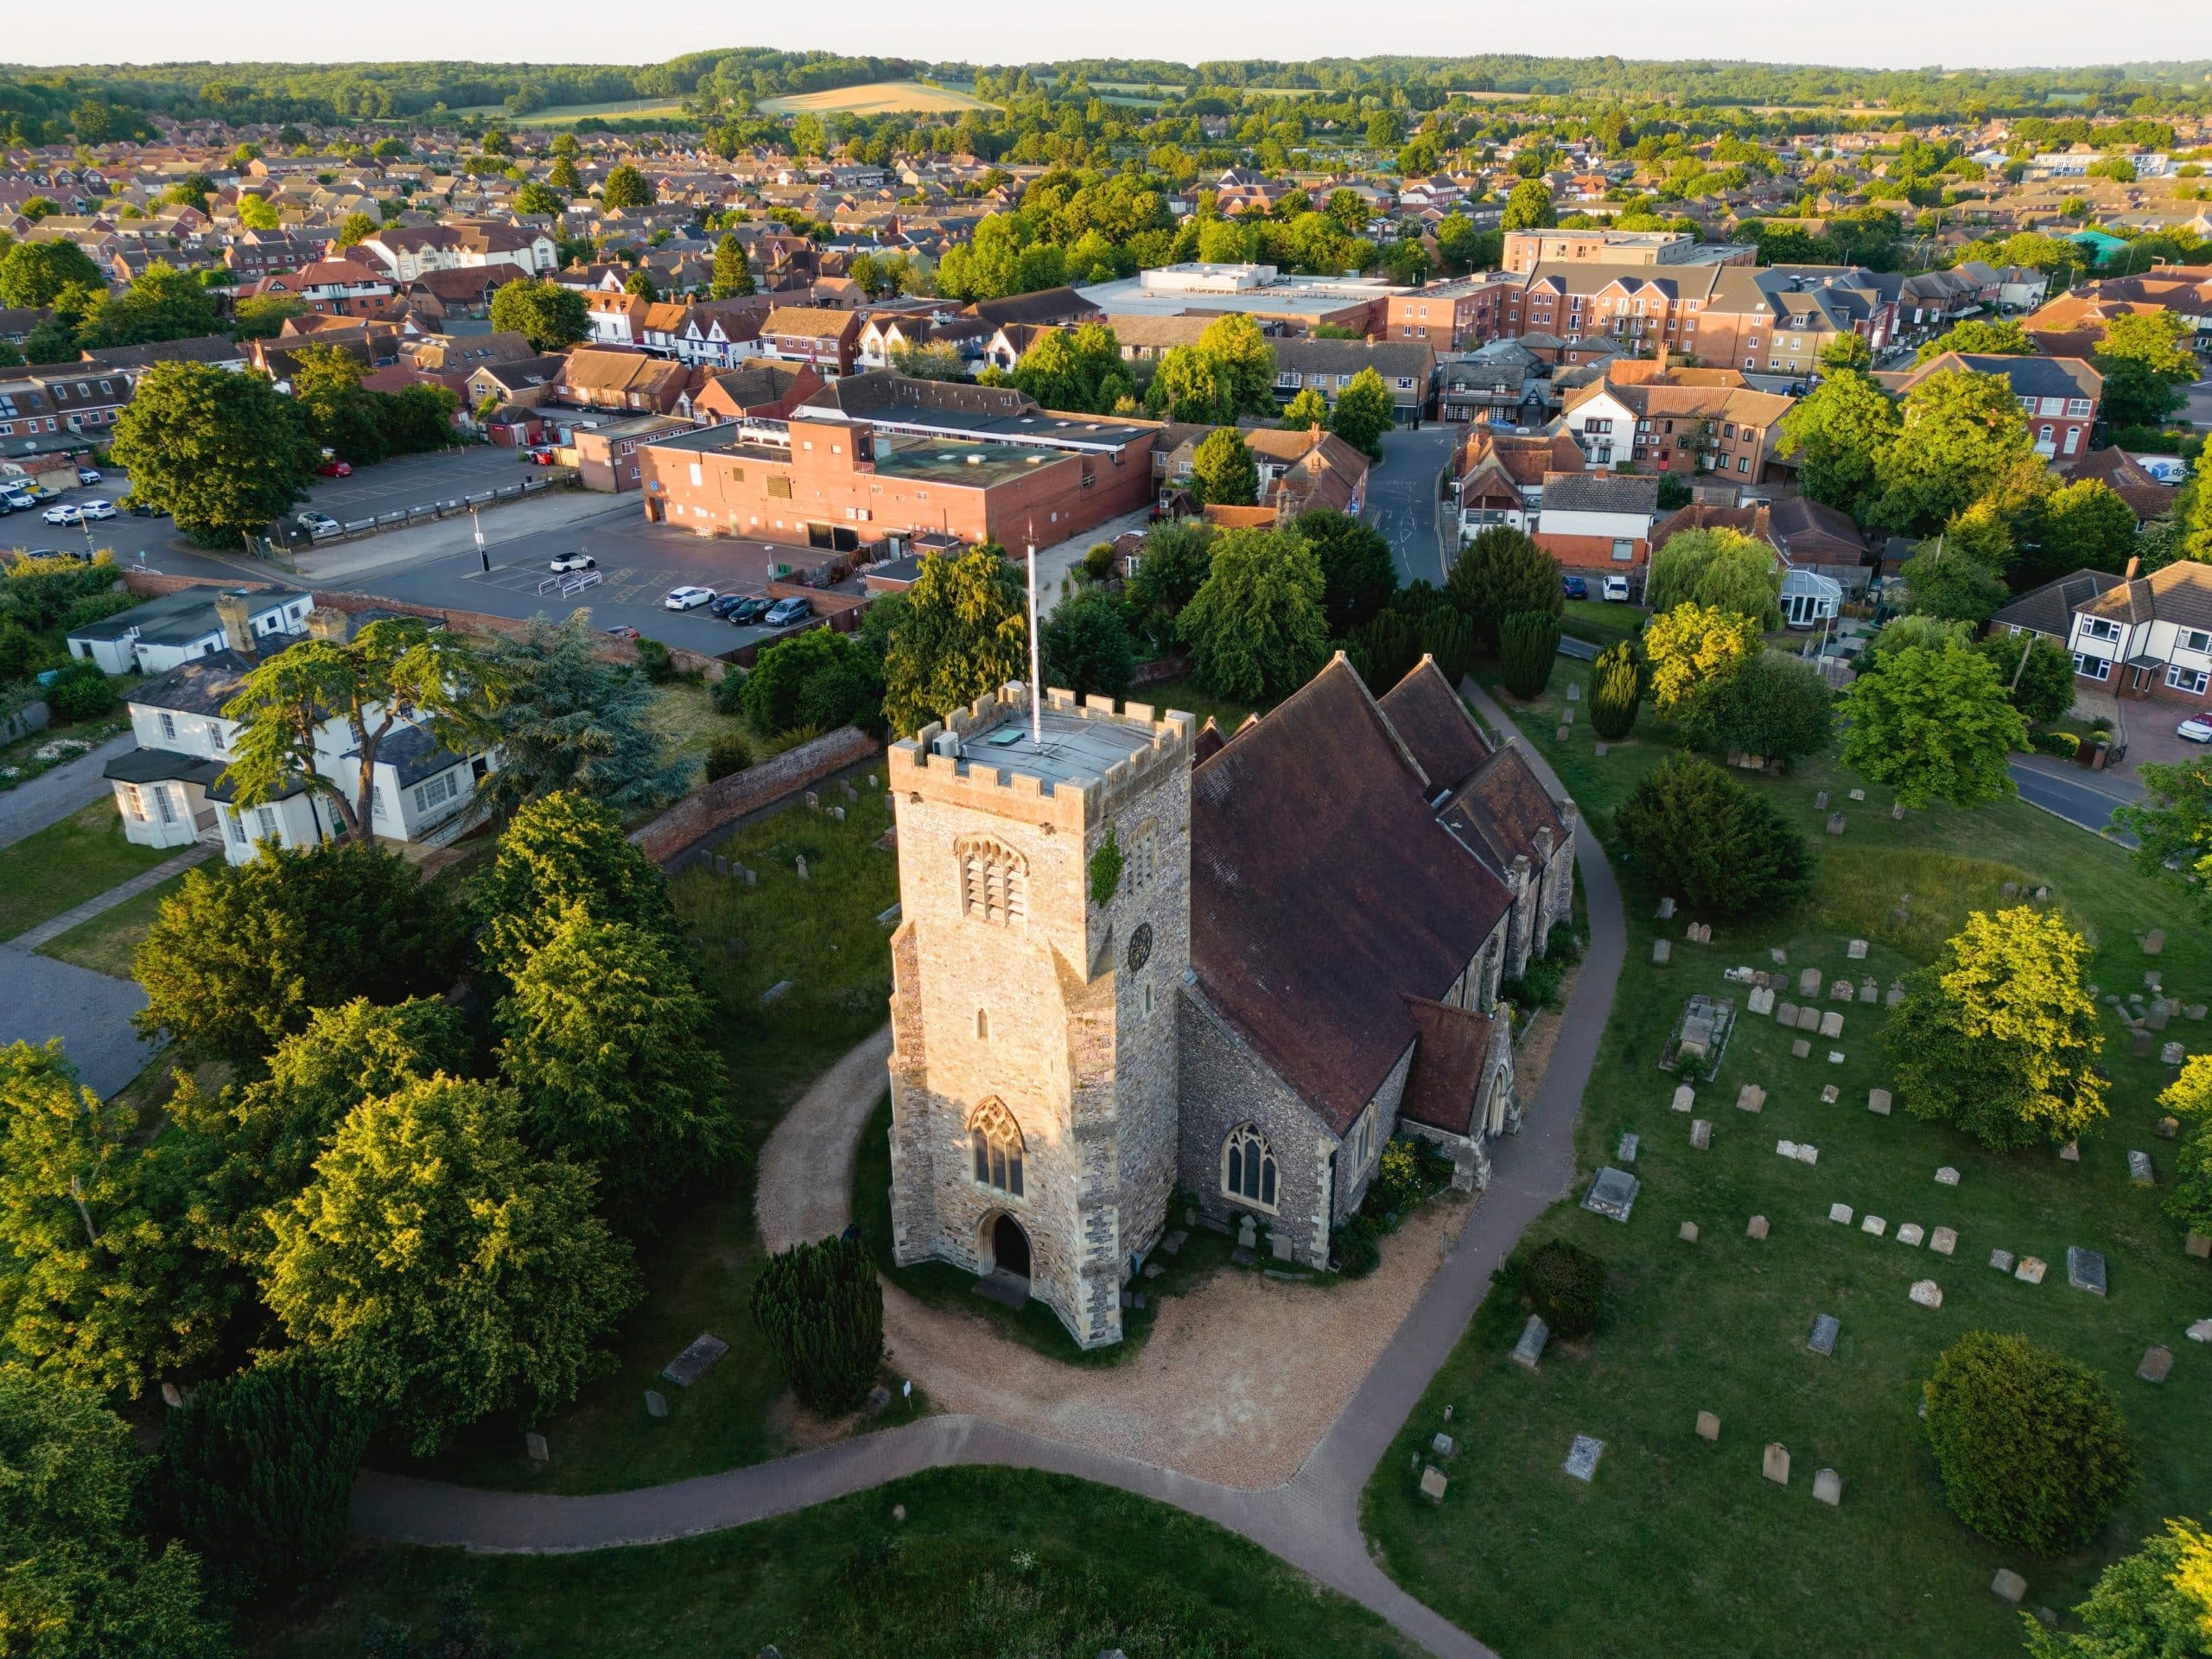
pixel 993 880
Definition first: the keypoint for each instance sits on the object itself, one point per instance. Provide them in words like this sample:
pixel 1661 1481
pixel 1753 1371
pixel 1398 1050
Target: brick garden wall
pixel 698 815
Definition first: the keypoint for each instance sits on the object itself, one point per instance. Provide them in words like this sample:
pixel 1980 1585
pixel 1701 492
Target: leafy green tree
pixel 819 679
pixel 732 271
pixel 1255 628
pixel 1934 725
pixel 242 956
pixel 1719 569
pixel 2173 825
pixel 1529 207
pixel 964 631
pixel 1503 573
pixel 1839 431
pixel 2156 1604
pixel 222 454
pixel 440 1271
pixel 1171 569
pixel 558 852
pixel 1243 363
pixel 100 1277
pixel 1223 472
pixel 1185 387
pixel 34 274
pixel 1846 352
pixel 627 188
pixel 552 317
pixel 568 719
pixel 1952 584
pixel 355 229
pixel 2146 362
pixel 1960 429
pixel 1357 568
pixel 1691 649
pixel 2083 525
pixel 2039 674
pixel 339 412
pixel 609 1044
pixel 1776 705
pixel 1364 412
pixel 2188 1097
pixel 1998 1035
pixel 1690 827
pixel 641 284
pixel 1980 337
pixel 395 676
pixel 259 213
pixel 2032 1449
pixel 565 177
pixel 1305 411
pixel 263 316
pixel 1385 132
pixel 539 199
pixel 258 1470
pixel 1086 645
pixel 1616 689
pixel 821 1308
pixel 162 304
pixel 79 1582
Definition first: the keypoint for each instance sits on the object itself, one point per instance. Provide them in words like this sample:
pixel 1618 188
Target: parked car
pixel 336 468
pixel 66 513
pixel 573 561
pixel 541 456
pixel 687 598
pixel 622 631
pixel 319 523
pixel 785 612
pixel 750 611
pixel 721 607
pixel 2198 729
pixel 1617 590
pixel 1575 586
pixel 138 509
pixel 88 476
pixel 97 509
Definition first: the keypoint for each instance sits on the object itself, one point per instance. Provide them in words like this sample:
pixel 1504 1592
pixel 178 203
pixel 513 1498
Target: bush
pixel 1616 689
pixel 1695 830
pixel 819 678
pixel 1354 1246
pixel 727 753
pixel 22 655
pixel 2032 1447
pixel 821 1308
pixel 2064 745
pixel 1528 644
pixel 1098 563
pixel 1450 637
pixel 98 607
pixel 1537 985
pixel 655 661
pixel 81 692
pixel 1567 1287
pixel 727 694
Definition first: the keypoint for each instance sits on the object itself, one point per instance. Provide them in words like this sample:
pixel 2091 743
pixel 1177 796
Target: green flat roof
pixel 952 462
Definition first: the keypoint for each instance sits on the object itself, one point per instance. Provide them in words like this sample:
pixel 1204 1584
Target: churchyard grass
pixel 682 712
pixel 1183 693
pixel 108 943
pixel 821 934
pixel 1600 622
pixel 782 1580
pixel 66 863
pixel 1679 1546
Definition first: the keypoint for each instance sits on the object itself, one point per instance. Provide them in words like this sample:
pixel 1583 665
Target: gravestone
pixel 1827 1486
pixel 890 917
pixel 1574 691
pixel 2139 1045
pixel 2156 1019
pixel 1685 1097
pixel 851 794
pixel 1943 1240
pixel 1626 1152
pixel 1947 1176
pixel 1247 1233
pixel 172 1396
pixel 722 865
pixel 1786 1015
pixel 813 801
pixel 1831 1024
pixel 1701 1134
pixel 1895 994
pixel 1856 950
pixel 1841 990
pixel 1701 932
pixel 1808 1018
pixel 1835 1056
pixel 1688 1233
pixel 2001 1260
pixel 2173 1054
pixel 1801 1050
pixel 1432 1485
pixel 1925 1292
pixel 2195 1011
pixel 1858 794
pixel 2139 1170
pixel 1665 910
pixel 533 1443
pixel 1566 716
pixel 1807 1152
pixel 695 1361
pixel 1613 1192
pixel 1869 991
pixel 1530 1348
pixel 656 1403
pixel 2153 980
pixel 1750 1098
pixel 1835 823
pixel 1896 812
pixel 1762 1000
pixel 837 813
pixel 1820 800
pixel 1808 982
pixel 1442 1444
pixel 2030 1270
pixel 1582 1457
pixel 1909 1234
pixel 2154 942
pixel 1661 949
pixel 2010 890
pixel 2085 1269
pixel 1602 751
pixel 777 991
pixel 2156 1362
pixel 1840 1212
pixel 1877 1102
pixel 1278 1243
pixel 2008 1585
pixel 2198 1245
pixel 1829 1094
pixel 2070 1153
pixel 1874 1224
pixel 2201 1332
pixel 800 865
pixel 1564 733
pixel 1825 1329
pixel 2169 1128
pixel 1709 1426
pixel 1774 1463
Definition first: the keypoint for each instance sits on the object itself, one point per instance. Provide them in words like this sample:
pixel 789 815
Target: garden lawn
pixel 1183 693
pixel 1601 623
pixel 977 1533
pixel 822 934
pixel 66 863
pixel 109 942
pixel 1681 1543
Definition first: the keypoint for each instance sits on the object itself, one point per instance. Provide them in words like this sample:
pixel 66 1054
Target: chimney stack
pixel 237 617
pixel 328 622
pixel 2134 565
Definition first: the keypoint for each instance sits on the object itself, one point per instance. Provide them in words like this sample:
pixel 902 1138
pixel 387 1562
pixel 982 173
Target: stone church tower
pixel 1043 935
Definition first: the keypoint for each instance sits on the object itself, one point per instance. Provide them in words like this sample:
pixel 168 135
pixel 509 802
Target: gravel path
pixel 1312 1521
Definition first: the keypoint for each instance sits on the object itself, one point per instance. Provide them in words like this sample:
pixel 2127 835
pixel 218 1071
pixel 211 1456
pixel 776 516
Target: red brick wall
pixel 1589 554
pixel 698 815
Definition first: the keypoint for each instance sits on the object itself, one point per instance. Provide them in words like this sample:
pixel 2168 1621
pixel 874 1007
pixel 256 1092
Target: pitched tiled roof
pixel 2181 593
pixel 1600 492
pixel 1503 811
pixel 1427 714
pixel 1447 1080
pixel 2050 609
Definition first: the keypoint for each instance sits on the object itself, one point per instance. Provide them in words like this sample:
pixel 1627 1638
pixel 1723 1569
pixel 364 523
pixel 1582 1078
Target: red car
pixel 541 456
pixel 335 469
pixel 623 631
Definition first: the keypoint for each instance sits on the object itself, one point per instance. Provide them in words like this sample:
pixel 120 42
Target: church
pixel 1136 958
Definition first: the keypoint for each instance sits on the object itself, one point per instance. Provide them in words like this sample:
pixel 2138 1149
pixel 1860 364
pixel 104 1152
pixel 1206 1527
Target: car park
pixel 687 598
pixel 2198 729
pixel 750 611
pixel 785 612
pixel 97 509
pixel 138 509
pixel 88 476
pixel 721 607
pixel 319 523
pixel 66 513
pixel 572 562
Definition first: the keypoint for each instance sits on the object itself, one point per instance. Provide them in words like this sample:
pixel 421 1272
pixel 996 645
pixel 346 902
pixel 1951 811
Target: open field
pixel 876 97
pixel 1687 1549
pixel 67 863
pixel 565 115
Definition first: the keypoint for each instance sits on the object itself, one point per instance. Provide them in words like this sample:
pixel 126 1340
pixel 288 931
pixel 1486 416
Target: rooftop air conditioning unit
pixel 946 744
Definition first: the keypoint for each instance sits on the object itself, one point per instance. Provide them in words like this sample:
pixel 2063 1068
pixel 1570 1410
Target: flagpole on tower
pixel 1036 689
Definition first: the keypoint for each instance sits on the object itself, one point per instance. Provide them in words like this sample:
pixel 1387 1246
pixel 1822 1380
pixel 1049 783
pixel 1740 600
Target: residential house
pixel 408 253
pixel 155 636
pixel 1499 475
pixel 597 378
pixel 766 388
pixel 2058 395
pixel 334 288
pixel 828 340
pixel 1676 427
pixel 2136 635
pixel 1598 523
pixel 1407 368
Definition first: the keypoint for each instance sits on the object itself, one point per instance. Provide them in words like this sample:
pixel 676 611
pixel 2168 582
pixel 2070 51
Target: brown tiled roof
pixel 1446 1083
pixel 1427 713
pixel 1809 531
pixel 1700 515
pixel 1305 940
pixel 1502 809
pixel 2146 497
pixel 810 322
pixel 2050 609
pixel 2181 592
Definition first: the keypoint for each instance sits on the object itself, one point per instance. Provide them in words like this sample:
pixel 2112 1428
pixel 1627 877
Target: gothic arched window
pixel 993 880
pixel 995 1140
pixel 1248 1167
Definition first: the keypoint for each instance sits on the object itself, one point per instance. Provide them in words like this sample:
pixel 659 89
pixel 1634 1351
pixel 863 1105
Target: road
pixel 1402 504
pixel 2087 798
pixel 2199 410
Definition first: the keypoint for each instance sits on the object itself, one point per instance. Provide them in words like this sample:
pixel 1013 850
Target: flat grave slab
pixel 1613 1192
pixel 1582 1457
pixel 695 1361
pixel 2085 1269
pixel 1530 1348
pixel 1826 1328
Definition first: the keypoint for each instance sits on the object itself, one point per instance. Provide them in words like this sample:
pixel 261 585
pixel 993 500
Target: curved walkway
pixel 1312 1521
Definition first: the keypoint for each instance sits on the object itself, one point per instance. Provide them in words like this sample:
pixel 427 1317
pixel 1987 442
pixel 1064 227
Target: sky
pixel 1876 34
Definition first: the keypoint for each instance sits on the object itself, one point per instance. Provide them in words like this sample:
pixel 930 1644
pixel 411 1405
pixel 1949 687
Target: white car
pixel 687 598
pixel 318 524
pixel 67 513
pixel 97 509
pixel 1616 590
pixel 2198 729
pixel 573 561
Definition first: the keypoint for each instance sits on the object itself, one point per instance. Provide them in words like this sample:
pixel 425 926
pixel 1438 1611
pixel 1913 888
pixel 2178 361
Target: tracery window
pixel 994 1139
pixel 1247 1166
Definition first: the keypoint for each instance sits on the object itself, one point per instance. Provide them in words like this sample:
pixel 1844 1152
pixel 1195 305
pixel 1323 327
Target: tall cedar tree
pixel 569 719
pixel 1691 828
pixel 1357 572
pixel 558 852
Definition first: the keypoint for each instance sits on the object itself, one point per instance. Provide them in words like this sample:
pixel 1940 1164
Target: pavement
pixel 1310 1522
pixel 2065 790
pixel 51 796
pixel 41 998
pixel 1402 501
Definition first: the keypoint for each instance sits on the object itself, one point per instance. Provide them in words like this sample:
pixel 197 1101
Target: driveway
pixel 41 998
pixel 57 791
pixel 1402 502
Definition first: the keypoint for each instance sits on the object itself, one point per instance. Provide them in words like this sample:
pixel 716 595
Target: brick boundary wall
pixel 1172 666
pixel 612 649
pixel 698 815
pixel 152 584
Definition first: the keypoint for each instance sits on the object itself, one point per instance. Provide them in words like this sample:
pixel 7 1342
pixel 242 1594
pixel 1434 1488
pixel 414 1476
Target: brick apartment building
pixel 1526 249
pixel 1773 320
pixel 878 457
pixel 1678 429
pixel 1450 316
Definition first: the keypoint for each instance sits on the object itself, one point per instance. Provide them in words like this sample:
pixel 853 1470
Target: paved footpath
pixel 54 926
pixel 1310 1522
